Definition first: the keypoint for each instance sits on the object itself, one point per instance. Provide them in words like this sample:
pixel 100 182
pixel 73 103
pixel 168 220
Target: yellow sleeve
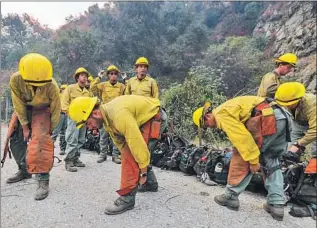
pixel 55 106
pixel 122 89
pixel 127 90
pixel 18 104
pixel 310 135
pixel 94 88
pixel 155 91
pixel 268 86
pixel 239 136
pixel 66 100
pixel 126 124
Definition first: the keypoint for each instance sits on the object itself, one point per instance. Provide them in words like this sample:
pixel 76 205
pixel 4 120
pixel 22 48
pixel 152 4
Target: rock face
pixel 291 27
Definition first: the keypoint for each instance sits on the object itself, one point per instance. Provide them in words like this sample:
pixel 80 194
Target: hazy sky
pixel 52 14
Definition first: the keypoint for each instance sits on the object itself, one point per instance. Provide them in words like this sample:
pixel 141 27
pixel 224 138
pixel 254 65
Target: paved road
pixel 77 200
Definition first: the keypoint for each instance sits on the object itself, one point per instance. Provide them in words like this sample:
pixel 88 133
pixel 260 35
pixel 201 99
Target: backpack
pixel 161 149
pixel 300 188
pixel 92 140
pixel 214 164
pixel 171 160
pixel 189 157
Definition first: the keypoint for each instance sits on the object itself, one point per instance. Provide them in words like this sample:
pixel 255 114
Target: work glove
pixel 101 73
pixel 124 76
pixel 291 156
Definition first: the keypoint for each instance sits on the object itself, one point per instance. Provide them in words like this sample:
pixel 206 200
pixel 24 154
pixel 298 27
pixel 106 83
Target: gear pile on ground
pixel 92 140
pixel 211 164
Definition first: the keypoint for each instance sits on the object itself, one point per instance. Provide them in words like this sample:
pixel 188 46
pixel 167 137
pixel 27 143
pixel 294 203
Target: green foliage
pixel 212 16
pixel 235 63
pixel 72 50
pixel 19 34
pixel 252 10
pixel 182 100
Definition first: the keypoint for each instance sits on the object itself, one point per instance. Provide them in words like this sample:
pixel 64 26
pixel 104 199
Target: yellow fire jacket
pixel 24 95
pixel 123 117
pixel 305 114
pixel 269 85
pixel 231 117
pixel 146 87
pixel 71 92
pixel 105 90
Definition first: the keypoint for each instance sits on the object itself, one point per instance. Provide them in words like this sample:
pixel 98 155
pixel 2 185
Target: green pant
pixel 106 143
pixel 272 149
pixel 75 139
pixel 298 131
pixel 18 147
pixel 60 130
pixel 151 179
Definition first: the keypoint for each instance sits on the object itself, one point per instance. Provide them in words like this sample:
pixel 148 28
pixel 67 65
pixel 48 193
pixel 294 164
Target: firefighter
pixel 132 121
pixel 253 146
pixel 37 105
pixel 75 138
pixel 284 65
pixel 107 91
pixel 302 105
pixel 61 126
pixel 142 84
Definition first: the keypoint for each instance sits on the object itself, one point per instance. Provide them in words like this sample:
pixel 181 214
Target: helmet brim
pixel 287 103
pixel 89 110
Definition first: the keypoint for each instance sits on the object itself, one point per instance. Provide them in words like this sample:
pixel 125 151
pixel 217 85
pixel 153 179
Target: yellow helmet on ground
pixel 36 69
pixel 90 78
pixel 198 114
pixel 64 86
pixel 289 93
pixel 112 68
pixel 80 70
pixel 289 58
pixel 143 61
pixel 80 109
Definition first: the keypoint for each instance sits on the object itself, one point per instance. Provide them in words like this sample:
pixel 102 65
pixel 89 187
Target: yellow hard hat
pixel 289 58
pixel 90 78
pixel 36 69
pixel 142 60
pixel 197 116
pixel 289 93
pixel 64 86
pixel 80 109
pixel 200 112
pixel 80 70
pixel 112 68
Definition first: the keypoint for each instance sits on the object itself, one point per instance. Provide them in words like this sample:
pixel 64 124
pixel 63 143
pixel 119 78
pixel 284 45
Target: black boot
pixel 276 210
pixel 69 166
pixel 151 184
pixel 229 201
pixel 122 204
pixel 20 175
pixel 102 157
pixel 79 163
pixel 42 190
pixel 116 159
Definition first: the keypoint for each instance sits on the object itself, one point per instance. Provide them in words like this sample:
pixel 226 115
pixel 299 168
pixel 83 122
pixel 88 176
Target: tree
pixel 20 35
pixel 237 63
pixel 181 100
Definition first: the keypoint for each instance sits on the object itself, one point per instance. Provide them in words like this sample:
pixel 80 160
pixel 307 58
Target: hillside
pixel 197 50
